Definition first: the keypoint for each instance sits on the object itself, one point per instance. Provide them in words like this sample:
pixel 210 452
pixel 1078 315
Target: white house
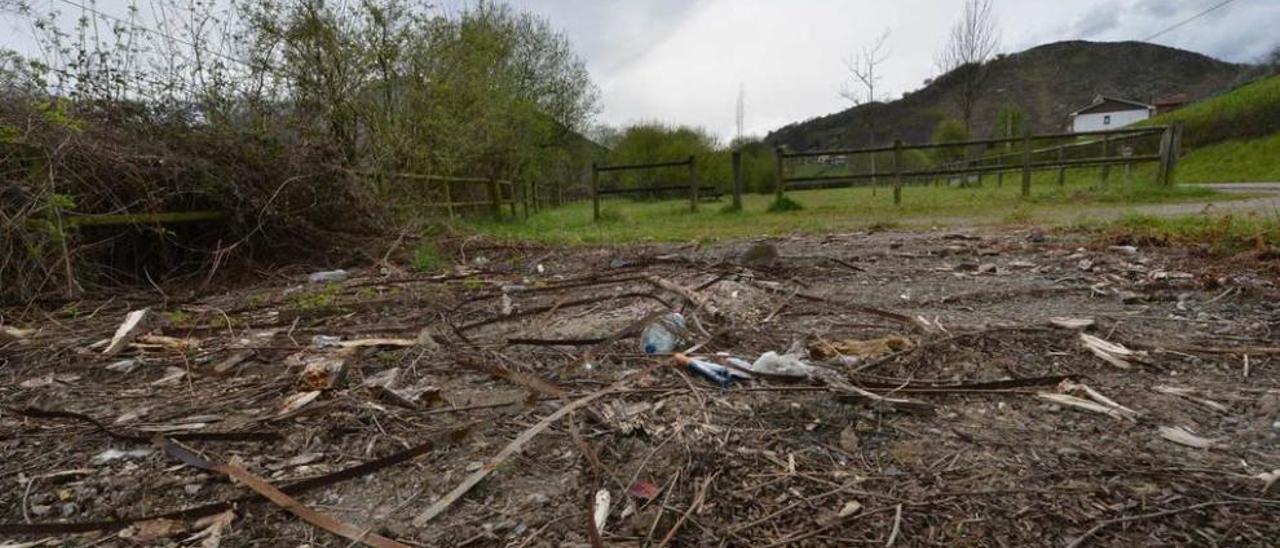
pixel 1109 113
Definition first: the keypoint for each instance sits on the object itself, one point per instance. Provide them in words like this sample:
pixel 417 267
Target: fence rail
pixel 1170 142
pixel 596 192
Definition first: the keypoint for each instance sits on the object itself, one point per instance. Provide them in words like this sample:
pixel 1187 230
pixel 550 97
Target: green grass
pixel 1247 112
pixel 842 209
pixel 1233 161
pixel 427 257
pixel 1223 235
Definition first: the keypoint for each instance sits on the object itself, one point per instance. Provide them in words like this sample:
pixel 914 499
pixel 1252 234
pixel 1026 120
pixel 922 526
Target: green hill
pixel 1046 83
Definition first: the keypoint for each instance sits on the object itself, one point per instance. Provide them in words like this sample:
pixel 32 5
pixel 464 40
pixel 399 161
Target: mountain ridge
pixel 1045 83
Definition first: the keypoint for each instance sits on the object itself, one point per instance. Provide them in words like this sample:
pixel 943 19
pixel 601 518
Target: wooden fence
pixel 692 184
pixel 1026 158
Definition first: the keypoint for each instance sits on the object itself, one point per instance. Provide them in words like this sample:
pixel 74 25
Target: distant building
pixel 1109 113
pixel 1171 102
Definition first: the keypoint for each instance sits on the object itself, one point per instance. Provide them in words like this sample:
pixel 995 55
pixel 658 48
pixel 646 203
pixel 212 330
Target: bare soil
pixel 968 453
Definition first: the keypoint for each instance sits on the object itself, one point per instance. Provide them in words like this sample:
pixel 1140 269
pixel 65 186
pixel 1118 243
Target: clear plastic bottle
pixel 661 336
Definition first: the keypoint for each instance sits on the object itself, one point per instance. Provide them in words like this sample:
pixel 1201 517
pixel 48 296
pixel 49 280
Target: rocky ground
pixel 1003 388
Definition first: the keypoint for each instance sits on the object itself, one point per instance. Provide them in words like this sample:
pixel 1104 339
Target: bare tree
pixel 864 73
pixel 973 41
pixel 863 69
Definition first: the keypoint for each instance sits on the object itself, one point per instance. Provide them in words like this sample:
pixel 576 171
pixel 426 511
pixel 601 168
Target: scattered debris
pixel 133 323
pixel 1072 323
pixel 329 276
pixel 759 255
pixel 862 349
pixel 662 336
pixel 601 513
pixel 1182 436
pixel 1190 395
pixel 111 455
pixel 1112 353
pixel 297 401
pixel 644 490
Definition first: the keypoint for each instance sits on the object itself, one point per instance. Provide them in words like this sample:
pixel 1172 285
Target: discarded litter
pixel 713 372
pixel 601 513
pixel 111 455
pixel 326 341
pixel 861 349
pixel 660 337
pixel 328 276
pixel 782 365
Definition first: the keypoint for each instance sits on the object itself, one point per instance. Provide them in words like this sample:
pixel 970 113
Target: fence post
pixel 524 194
pixel 595 193
pixel 999 179
pixel 1166 145
pixel 1175 149
pixel 693 184
pixel 495 198
pixel 448 198
pixel 737 180
pixel 1026 163
pixel 512 186
pixel 1106 155
pixel 897 171
pixel 1062 169
pixel 777 165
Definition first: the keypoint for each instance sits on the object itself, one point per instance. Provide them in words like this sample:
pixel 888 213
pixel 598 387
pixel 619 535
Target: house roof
pixel 1175 99
pixel 1102 103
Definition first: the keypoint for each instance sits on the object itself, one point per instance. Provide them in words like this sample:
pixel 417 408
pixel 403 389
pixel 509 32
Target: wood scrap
pixel 1112 353
pixel 281 499
pixel 511 448
pixel 1182 436
pixel 133 323
pixel 698 301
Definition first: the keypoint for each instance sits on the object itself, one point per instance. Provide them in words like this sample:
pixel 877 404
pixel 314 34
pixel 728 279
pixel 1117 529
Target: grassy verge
pixel 1222 234
pixel 1233 161
pixel 842 209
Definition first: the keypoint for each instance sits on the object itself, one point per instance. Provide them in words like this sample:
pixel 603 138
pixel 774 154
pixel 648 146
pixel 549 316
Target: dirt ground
pixel 970 419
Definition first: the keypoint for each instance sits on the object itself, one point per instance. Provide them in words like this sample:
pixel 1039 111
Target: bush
pixel 784 204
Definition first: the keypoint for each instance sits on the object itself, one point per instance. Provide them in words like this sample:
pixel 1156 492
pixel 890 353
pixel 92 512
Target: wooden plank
pixel 693 185
pixel 737 179
pixel 595 193
pixel 897 172
pixel 777 165
pixel 654 165
pixel 1026 163
pixel 171 217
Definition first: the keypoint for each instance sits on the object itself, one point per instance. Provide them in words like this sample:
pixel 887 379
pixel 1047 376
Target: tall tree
pixel 972 42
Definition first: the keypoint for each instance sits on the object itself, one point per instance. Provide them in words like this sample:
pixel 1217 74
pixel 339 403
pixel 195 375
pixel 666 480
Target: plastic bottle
pixel 661 337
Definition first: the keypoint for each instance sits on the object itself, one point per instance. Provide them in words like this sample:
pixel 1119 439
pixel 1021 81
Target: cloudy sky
pixel 683 61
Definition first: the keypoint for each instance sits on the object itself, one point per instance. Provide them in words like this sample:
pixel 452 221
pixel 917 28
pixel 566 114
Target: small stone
pixel 987 268
pixel 474 465
pixel 539 499
pixel 759 256
pixel 849 439
pixel 70 509
pixel 40 509
pixel 1126 249
pixel 192 488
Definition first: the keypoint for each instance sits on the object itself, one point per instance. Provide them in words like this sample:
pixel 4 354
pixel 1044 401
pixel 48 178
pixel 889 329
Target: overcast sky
pixel 683 61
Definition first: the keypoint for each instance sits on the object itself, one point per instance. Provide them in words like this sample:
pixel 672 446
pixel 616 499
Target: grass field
pixel 839 209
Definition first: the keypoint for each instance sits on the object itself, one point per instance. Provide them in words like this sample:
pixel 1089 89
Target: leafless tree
pixel 863 68
pixel 973 41
pixel 864 73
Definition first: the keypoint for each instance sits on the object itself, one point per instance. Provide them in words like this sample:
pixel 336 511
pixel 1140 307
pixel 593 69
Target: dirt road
pixel 1267 202
pixel 937 415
